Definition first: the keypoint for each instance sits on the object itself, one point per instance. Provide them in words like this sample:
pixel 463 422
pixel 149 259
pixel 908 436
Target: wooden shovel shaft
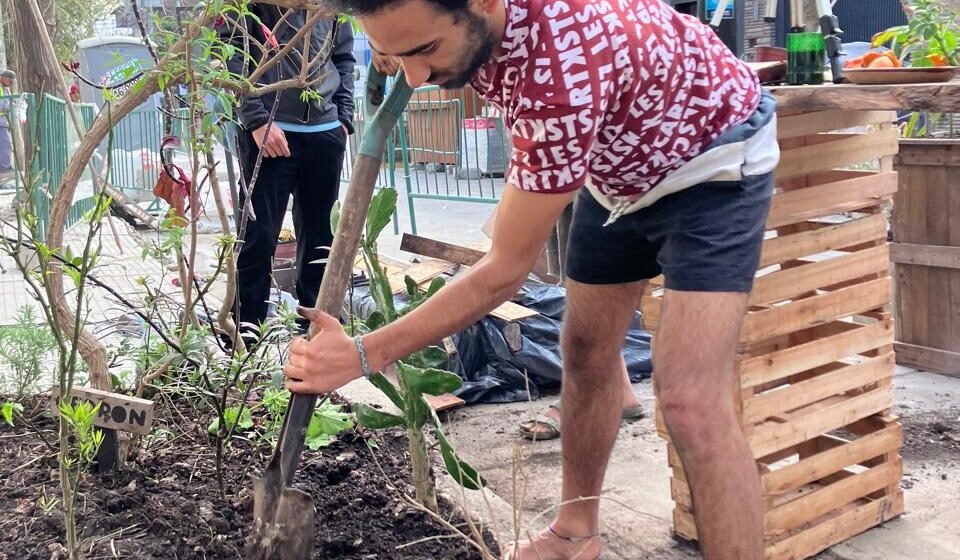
pixel 339 271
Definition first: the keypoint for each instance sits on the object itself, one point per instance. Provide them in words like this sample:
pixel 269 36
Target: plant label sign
pixel 117 412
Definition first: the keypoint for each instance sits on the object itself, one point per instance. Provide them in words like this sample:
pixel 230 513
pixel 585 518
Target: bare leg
pixel 596 322
pixel 693 376
pixel 539 428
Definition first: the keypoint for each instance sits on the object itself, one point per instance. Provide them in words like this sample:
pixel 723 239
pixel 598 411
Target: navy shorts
pixel 706 238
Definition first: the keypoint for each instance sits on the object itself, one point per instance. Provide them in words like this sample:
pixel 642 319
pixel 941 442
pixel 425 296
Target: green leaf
pixel 412 289
pixel 430 357
pixel 369 417
pixel 381 210
pixel 8 409
pixel 335 216
pixel 418 411
pixel 387 388
pixel 463 473
pixel 435 285
pixel 376 320
pixel 432 381
pixel 328 420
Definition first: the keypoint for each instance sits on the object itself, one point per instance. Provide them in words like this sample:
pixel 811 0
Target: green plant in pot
pixel 417 375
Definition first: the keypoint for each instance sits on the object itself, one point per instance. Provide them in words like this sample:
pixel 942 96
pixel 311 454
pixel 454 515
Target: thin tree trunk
pixel 37 71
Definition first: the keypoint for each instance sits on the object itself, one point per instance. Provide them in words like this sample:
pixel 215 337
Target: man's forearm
pixel 456 306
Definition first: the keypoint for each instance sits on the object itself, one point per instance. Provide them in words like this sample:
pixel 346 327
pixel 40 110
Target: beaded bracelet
pixel 364 366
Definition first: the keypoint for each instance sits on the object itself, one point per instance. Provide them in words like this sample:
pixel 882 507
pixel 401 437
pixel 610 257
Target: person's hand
pixel 275 143
pixel 326 362
pixel 385 64
pixel 345 131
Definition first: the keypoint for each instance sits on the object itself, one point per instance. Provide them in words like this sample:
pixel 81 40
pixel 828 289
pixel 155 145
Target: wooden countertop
pixel 941 97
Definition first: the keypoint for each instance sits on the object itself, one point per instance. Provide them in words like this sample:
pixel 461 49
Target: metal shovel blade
pixel 289 536
pixel 284 516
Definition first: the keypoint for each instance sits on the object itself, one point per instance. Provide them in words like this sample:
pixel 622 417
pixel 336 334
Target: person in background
pixel 7 79
pixel 301 151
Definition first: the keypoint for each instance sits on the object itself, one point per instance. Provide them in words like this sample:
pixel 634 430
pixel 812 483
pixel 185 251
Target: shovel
pixel 283 516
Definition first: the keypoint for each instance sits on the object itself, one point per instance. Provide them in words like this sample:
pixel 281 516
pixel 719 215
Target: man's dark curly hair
pixel 369 7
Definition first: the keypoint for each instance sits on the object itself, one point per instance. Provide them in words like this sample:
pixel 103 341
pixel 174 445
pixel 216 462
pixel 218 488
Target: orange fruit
pixel 881 62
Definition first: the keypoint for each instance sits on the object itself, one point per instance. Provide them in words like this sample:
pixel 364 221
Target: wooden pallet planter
pixel 815 360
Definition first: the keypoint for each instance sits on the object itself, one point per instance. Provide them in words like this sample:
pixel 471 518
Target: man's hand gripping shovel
pixel 283 516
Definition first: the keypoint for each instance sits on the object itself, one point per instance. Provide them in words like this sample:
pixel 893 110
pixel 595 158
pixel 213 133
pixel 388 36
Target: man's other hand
pixel 385 64
pixel 275 143
pixel 326 362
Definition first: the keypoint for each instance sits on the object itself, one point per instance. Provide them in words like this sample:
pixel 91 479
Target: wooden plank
pixel 440 250
pixel 803 393
pixel 788 247
pixel 938 256
pixel 782 363
pixel 811 123
pixel 421 273
pixel 928 152
pixel 795 281
pixel 684 525
pixel 117 412
pixel 837 153
pixel 443 402
pixel 510 312
pixel 933 97
pixel 928 359
pixel 863 190
pixel 813 468
pixel 836 529
pixel 816 419
pixel 815 310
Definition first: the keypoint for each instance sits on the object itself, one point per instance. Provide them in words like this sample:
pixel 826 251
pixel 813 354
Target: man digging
pixel 668 144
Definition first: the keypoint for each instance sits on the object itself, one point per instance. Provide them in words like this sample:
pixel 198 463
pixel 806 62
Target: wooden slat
pixel 863 190
pixel 939 153
pixel 811 123
pixel 421 273
pixel 837 529
pixel 928 359
pixel 788 247
pixel 838 153
pixel 812 469
pixel 815 310
pixel 820 418
pixel 510 312
pixel 938 256
pixel 782 363
pixel 440 250
pixel 803 393
pixel 795 281
pixel 684 525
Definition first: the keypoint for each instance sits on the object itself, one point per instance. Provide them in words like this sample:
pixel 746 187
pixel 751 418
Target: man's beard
pixel 480 43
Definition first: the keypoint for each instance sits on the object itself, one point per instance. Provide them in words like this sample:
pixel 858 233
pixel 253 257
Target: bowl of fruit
pixel 885 68
pixel 920 51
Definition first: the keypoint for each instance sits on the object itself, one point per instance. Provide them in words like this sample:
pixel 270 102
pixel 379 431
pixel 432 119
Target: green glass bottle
pixel 805 54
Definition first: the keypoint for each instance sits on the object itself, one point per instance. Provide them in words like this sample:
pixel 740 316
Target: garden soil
pixel 166 504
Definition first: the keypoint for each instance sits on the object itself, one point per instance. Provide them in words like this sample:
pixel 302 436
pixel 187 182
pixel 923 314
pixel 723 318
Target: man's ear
pixel 488 6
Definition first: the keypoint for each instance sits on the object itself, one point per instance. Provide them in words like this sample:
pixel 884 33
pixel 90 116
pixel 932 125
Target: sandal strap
pixel 570 539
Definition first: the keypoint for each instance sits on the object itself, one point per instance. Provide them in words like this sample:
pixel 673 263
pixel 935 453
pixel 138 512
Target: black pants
pixel 312 175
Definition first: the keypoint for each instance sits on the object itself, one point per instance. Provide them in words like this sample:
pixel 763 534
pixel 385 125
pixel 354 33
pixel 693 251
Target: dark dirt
pixel 931 446
pixel 165 504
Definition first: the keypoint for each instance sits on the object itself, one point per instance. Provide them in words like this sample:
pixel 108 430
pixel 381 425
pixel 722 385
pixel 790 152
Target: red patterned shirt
pixel 620 91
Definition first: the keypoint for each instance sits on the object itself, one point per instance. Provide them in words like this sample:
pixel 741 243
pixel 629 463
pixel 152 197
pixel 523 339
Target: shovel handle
pixel 339 271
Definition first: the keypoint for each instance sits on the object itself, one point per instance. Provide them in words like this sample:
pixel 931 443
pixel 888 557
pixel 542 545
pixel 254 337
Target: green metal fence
pixel 454 147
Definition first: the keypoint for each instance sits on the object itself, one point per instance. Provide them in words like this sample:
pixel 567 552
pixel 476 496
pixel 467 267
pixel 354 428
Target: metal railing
pixel 454 147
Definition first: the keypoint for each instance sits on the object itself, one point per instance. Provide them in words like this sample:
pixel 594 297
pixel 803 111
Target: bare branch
pixel 303 31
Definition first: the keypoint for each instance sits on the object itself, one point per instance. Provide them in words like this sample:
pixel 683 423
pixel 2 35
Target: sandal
pixel 529 428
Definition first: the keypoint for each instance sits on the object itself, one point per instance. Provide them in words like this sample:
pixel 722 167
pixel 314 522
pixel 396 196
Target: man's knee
pixel 585 352
pixel 698 416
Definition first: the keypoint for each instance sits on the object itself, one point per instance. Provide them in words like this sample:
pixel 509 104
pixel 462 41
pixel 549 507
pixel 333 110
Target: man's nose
pixel 416 72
